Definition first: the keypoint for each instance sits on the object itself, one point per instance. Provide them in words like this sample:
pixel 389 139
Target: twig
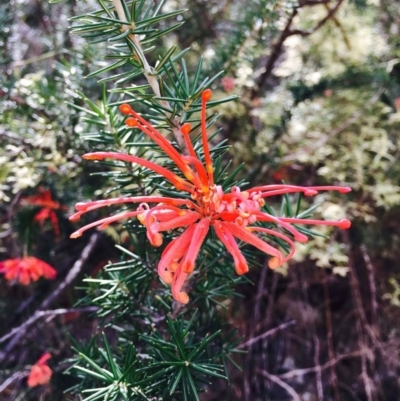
pixel 254 324
pixel 150 76
pixel 281 383
pixel 364 368
pixel 327 365
pixel 320 388
pixel 321 23
pixel 20 331
pixel 44 56
pixel 340 27
pixel 287 32
pixel 372 285
pixel 39 314
pixel 259 296
pixel 365 376
pixel 361 318
pixel 76 269
pixel 5 233
pixel 355 287
pixel 271 298
pixel 12 378
pixel 328 318
pixel 276 50
pixel 138 47
pixel 268 333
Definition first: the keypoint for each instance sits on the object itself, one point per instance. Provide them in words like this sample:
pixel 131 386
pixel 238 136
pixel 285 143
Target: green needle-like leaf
pixel 176 379
pixel 103 372
pixel 165 58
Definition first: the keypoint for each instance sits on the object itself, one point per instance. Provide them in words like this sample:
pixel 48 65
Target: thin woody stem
pixel 148 73
pixel 151 78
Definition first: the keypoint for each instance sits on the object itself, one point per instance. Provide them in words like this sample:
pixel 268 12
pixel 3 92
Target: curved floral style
pixel 231 215
pixel 26 269
pixel 40 373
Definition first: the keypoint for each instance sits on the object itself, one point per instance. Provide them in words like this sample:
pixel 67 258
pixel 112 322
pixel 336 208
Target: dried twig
pixel 328 16
pixel 73 273
pixel 318 371
pixel 42 313
pixel 372 285
pixel 281 383
pixel 327 365
pixel 328 318
pixel 271 298
pixel 276 51
pixel 254 323
pixel 268 333
pixel 365 377
pixel 361 319
pixel 18 333
pixel 287 32
pixel 16 376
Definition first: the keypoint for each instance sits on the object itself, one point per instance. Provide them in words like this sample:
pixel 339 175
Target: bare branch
pixel 18 333
pixel 268 333
pixel 42 313
pixel 319 385
pixel 287 32
pixel 329 336
pixel 76 269
pixel 12 378
pixel 276 50
pixel 321 23
pixel 361 321
pixel 327 365
pixel 372 285
pixel 281 383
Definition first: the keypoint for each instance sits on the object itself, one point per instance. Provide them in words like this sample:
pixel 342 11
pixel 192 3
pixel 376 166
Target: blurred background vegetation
pixel 319 87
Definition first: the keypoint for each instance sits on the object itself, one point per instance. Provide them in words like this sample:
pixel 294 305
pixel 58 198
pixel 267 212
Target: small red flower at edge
pixel 40 372
pixel 26 269
pixel 45 200
pixel 231 215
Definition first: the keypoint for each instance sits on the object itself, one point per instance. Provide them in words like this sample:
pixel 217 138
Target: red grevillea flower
pixel 40 372
pixel 45 200
pixel 231 215
pixel 26 269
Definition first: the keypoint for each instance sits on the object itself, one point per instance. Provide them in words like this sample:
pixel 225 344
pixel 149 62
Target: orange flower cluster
pixel 26 269
pixel 40 372
pixel 45 200
pixel 231 215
